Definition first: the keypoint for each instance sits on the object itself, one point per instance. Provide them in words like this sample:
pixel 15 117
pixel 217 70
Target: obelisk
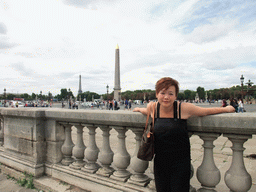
pixel 117 88
pixel 80 85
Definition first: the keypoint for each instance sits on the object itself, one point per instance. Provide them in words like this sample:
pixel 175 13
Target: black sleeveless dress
pixel 172 153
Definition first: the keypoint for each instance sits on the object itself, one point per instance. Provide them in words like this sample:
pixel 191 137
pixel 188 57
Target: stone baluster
pixel 237 178
pixel 207 173
pixel 78 149
pixel 1 131
pixel 106 154
pixel 121 157
pixel 138 166
pixel 68 145
pixel 192 189
pixel 91 152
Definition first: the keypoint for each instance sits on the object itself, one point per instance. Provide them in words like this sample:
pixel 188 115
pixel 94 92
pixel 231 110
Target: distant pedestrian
pixel 110 105
pixel 240 106
pixel 129 104
pixel 224 103
pixel 107 104
pixel 115 104
pixel 233 102
pixel 125 104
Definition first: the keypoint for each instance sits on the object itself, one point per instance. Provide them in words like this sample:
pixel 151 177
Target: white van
pixel 137 102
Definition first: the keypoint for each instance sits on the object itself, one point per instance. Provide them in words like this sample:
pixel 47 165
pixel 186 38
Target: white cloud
pixel 46 45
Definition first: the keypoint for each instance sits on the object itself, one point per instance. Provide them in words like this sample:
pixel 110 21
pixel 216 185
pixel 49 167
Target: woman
pixel 129 104
pixel 224 103
pixel 172 147
pixel 240 106
pixel 233 102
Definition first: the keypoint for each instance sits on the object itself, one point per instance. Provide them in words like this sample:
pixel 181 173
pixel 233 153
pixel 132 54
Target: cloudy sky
pixel 46 44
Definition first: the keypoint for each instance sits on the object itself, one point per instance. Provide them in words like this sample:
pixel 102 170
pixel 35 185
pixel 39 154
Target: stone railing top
pixel 232 123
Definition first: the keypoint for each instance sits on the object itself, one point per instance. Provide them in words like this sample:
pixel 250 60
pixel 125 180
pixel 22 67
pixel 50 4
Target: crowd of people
pixel 114 105
pixel 125 104
pixel 238 105
pixel 17 104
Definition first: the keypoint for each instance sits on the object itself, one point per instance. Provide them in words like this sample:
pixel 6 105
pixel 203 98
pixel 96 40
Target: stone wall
pixel 38 141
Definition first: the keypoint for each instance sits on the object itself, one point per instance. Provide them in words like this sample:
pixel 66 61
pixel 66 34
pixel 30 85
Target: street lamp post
pixel 69 98
pixel 249 84
pixel 4 93
pixel 107 95
pixel 210 98
pixel 107 91
pixel 4 97
pixel 242 86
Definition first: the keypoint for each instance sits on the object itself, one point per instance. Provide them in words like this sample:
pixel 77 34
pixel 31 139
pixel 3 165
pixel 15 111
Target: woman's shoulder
pixel 186 105
pixel 187 110
pixel 151 104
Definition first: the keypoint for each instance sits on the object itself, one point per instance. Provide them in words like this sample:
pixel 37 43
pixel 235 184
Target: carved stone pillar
pixel 237 178
pixel 138 166
pixel 106 154
pixel 68 145
pixel 192 189
pixel 78 149
pixel 121 157
pixel 207 173
pixel 1 131
pixel 91 152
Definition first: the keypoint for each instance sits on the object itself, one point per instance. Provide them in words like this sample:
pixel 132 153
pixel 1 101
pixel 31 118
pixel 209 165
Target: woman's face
pixel 166 97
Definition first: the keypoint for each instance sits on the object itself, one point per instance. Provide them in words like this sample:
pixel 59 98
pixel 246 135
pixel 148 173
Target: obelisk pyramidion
pixel 80 85
pixel 117 88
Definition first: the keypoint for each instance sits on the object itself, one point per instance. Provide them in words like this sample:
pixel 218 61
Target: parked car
pixel 137 102
pixel 86 104
pixel 29 105
pixel 20 104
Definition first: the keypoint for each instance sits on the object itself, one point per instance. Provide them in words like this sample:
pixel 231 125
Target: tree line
pixel 145 94
pixel 27 97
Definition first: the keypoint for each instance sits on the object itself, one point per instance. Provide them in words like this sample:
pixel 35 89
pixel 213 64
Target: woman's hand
pixel 230 109
pixel 141 110
pixel 137 109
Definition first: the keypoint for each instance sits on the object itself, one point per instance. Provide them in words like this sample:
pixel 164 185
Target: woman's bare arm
pixel 193 110
pixel 143 110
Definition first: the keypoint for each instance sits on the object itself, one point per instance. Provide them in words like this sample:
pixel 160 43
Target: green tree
pixel 10 96
pixel 181 96
pixel 189 95
pixel 49 96
pixel 201 92
pixel 88 96
pixel 33 96
pixel 63 94
pixel 25 96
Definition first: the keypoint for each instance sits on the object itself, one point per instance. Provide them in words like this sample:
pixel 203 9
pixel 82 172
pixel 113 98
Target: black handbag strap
pixel 153 119
pixel 157 111
pixel 175 109
pixel 180 110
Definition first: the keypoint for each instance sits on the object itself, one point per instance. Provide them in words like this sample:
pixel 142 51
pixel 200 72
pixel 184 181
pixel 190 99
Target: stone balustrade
pixel 65 145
